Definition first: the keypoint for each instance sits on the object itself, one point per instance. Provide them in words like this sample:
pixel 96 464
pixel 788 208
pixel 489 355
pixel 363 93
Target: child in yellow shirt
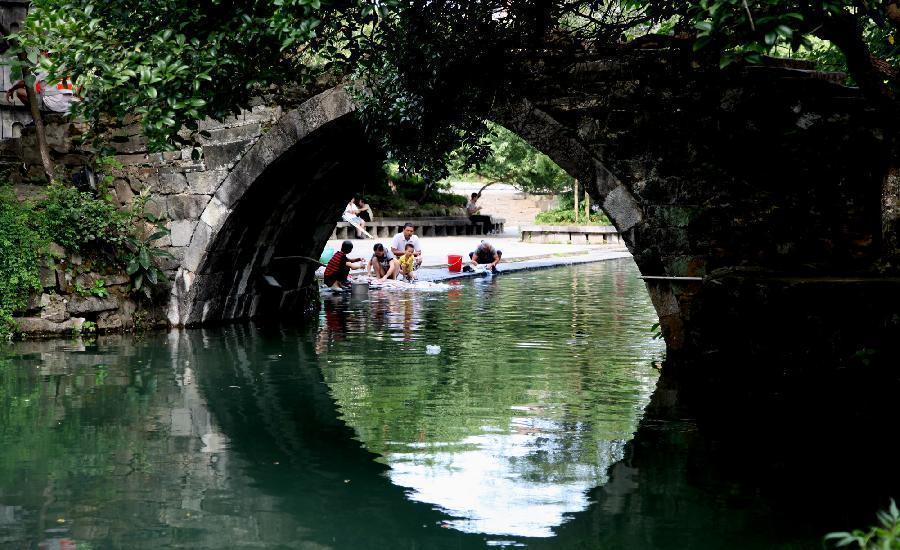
pixel 408 263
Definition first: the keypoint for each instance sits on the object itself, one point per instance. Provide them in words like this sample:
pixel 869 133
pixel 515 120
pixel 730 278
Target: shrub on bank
pixel 411 196
pixel 21 251
pixel 112 239
pixel 566 216
pixel 82 223
pixel 884 536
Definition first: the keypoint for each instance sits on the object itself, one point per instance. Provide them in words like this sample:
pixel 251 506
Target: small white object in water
pixel 432 350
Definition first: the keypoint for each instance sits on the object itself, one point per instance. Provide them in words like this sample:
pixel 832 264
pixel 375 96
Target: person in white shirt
pixel 407 236
pixel 351 216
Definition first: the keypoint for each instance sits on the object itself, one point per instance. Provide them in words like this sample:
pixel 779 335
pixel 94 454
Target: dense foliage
pixel 512 160
pixel 399 194
pixel 434 70
pixel 859 31
pixel 112 239
pixel 172 62
pixel 79 222
pixel 20 256
pixel 566 216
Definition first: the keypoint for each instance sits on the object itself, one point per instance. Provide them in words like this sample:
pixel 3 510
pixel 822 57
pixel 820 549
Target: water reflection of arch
pixel 283 425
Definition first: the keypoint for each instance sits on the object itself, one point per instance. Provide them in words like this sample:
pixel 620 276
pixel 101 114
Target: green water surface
pixel 349 434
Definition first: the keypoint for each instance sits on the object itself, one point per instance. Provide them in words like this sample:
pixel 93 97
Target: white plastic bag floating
pixel 431 349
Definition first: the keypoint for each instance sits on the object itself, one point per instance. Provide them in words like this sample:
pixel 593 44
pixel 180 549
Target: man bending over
pixel 486 255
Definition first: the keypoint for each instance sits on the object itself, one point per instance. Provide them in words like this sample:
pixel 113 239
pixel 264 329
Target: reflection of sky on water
pixel 540 382
pixel 486 489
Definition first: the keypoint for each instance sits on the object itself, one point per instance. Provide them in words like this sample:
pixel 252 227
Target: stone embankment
pixel 80 297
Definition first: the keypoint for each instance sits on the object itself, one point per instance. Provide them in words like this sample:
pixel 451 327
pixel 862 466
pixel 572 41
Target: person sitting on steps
pixel 351 216
pixel 473 209
pixel 365 210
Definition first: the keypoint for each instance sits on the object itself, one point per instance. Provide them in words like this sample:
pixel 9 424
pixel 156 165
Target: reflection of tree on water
pixel 507 398
pixel 198 439
pixel 230 438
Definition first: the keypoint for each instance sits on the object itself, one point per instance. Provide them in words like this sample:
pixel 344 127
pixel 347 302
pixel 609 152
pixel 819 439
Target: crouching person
pixel 337 271
pixel 486 255
pixel 383 264
pixel 408 263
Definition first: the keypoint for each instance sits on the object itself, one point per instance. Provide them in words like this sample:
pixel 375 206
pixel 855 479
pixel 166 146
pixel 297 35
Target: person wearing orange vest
pixel 54 97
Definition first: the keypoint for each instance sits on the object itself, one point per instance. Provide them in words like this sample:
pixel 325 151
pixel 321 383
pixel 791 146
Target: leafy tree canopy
pixel 442 67
pixel 435 69
pixel 512 160
pixel 172 62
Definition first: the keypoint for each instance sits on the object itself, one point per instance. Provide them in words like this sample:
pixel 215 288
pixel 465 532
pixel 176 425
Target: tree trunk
pixel 844 31
pixel 576 201
pixel 34 104
pixel 587 207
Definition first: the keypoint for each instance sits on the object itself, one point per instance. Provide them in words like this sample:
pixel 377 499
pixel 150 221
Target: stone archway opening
pixel 279 203
pixel 249 254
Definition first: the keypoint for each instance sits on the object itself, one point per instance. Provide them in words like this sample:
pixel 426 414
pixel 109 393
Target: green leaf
pixel 159 253
pixel 133 266
pixel 144 258
pixel 784 31
pixel 702 42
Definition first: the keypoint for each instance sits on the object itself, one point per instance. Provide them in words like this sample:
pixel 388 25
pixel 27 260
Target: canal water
pixel 498 413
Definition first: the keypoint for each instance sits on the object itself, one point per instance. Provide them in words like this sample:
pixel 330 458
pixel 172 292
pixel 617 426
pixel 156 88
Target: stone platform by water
pixel 435 274
pixel 517 255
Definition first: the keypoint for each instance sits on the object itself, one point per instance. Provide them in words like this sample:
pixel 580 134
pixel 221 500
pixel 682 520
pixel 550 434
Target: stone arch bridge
pixel 755 200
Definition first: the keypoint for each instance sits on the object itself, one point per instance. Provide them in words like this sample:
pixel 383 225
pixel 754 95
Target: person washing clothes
pixel 485 255
pixel 383 264
pixel 337 271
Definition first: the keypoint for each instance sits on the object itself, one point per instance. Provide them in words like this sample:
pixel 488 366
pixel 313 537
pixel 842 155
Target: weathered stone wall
pixel 770 174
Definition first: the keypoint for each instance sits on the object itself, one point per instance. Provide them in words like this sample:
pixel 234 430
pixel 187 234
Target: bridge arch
pixel 298 162
pixel 233 245
pixel 721 183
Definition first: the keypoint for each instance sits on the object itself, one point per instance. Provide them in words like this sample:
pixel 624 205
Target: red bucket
pixel 454 263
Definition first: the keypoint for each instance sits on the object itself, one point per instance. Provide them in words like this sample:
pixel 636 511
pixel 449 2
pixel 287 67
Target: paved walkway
pixel 516 254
